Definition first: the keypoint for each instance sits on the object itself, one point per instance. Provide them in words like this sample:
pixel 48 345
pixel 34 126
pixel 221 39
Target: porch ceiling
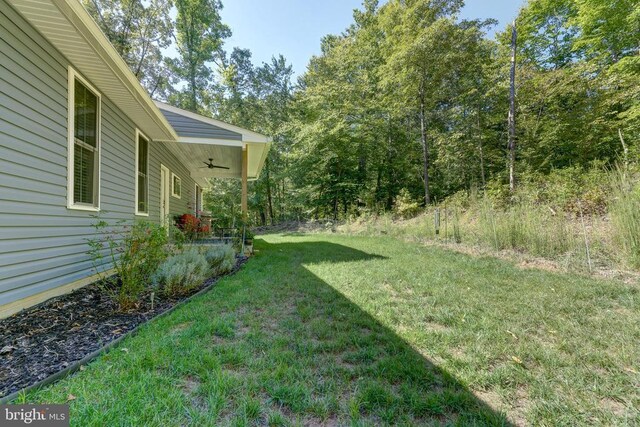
pixel 202 138
pixel 193 156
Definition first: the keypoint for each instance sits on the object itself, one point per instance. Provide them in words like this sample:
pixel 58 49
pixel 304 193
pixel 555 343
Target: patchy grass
pixel 339 330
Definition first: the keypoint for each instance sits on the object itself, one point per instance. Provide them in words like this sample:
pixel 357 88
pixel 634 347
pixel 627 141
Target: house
pixel 79 136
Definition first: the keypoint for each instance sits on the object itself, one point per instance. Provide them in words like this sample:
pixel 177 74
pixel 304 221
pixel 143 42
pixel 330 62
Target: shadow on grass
pixel 382 378
pixel 295 234
pixel 274 344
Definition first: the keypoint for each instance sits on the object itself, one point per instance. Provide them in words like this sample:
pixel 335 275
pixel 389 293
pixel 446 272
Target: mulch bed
pixel 44 339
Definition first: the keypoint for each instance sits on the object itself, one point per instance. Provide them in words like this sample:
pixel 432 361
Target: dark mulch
pixel 42 340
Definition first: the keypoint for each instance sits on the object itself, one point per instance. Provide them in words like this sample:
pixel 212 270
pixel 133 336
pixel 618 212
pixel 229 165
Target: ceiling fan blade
pixel 220 167
pixel 206 163
pixel 204 167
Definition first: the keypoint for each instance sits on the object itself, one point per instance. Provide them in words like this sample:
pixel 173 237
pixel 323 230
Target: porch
pixel 210 148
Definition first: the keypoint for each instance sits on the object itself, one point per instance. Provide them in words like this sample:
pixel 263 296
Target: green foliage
pixel 177 237
pixel 139 30
pixel 221 258
pixel 133 251
pixel 408 96
pixel 408 91
pixel 199 36
pixel 625 215
pixel 525 227
pixel 223 201
pixel 181 273
pixel 405 206
pixel 258 98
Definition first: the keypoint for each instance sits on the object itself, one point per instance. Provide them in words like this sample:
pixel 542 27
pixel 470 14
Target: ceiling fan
pixel 210 165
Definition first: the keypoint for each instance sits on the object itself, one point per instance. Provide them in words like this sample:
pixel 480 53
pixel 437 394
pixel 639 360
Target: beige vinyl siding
pixel 43 244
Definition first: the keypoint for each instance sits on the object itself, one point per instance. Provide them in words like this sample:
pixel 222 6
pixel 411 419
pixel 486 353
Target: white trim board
pixel 135 171
pixel 73 75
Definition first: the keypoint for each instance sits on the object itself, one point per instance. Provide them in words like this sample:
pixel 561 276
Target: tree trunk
pixel 194 92
pixel 425 148
pixel 481 150
pixel 269 198
pixel 193 95
pixel 512 111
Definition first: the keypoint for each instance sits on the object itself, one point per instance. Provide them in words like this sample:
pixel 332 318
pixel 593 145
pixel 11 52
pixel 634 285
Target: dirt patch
pixel 515 413
pixel 180 327
pixel 190 387
pixel 218 340
pixel 616 407
pixel 521 406
pixel 242 331
pixel 47 338
pixel 435 327
pixel 332 421
pixel 343 364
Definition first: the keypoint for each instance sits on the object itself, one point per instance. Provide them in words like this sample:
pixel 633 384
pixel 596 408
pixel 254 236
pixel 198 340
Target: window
pixel 198 204
pixel 142 174
pixel 176 186
pixel 84 145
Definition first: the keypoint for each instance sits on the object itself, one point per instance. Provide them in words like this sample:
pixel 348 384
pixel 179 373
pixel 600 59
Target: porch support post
pixel 244 182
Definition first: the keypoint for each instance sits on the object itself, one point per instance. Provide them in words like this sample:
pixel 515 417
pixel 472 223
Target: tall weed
pixel 625 215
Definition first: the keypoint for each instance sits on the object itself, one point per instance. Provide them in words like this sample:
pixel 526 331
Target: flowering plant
pixel 192 226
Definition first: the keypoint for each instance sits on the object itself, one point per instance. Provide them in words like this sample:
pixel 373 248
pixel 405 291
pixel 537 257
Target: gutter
pixel 84 23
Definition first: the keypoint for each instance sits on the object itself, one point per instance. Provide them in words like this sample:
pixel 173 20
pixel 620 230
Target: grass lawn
pixel 335 330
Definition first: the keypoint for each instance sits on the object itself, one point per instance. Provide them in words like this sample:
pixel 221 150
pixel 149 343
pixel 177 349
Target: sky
pixel 294 28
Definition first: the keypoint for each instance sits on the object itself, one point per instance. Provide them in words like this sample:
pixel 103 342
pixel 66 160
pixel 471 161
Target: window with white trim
pixel 198 197
pixel 176 186
pixel 84 145
pixel 142 174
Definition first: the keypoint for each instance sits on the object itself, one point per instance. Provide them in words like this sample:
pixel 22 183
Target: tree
pixel 512 110
pixel 199 40
pixel 139 31
pixel 422 58
pixel 260 98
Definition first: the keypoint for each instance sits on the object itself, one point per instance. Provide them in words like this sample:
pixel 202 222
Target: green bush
pixel 221 258
pixel 405 206
pixel 177 238
pixel 181 273
pixel 134 251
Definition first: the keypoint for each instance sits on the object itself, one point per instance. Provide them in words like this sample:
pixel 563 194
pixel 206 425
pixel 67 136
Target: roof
pixel 71 30
pixel 201 138
pixel 189 127
pixel 195 125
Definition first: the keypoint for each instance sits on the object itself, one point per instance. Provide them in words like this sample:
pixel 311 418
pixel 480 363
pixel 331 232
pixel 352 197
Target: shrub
pixel 191 226
pixel 405 207
pixel 181 273
pixel 221 258
pixel 134 251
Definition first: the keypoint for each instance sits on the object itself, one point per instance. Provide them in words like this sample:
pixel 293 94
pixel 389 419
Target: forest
pixel 411 108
